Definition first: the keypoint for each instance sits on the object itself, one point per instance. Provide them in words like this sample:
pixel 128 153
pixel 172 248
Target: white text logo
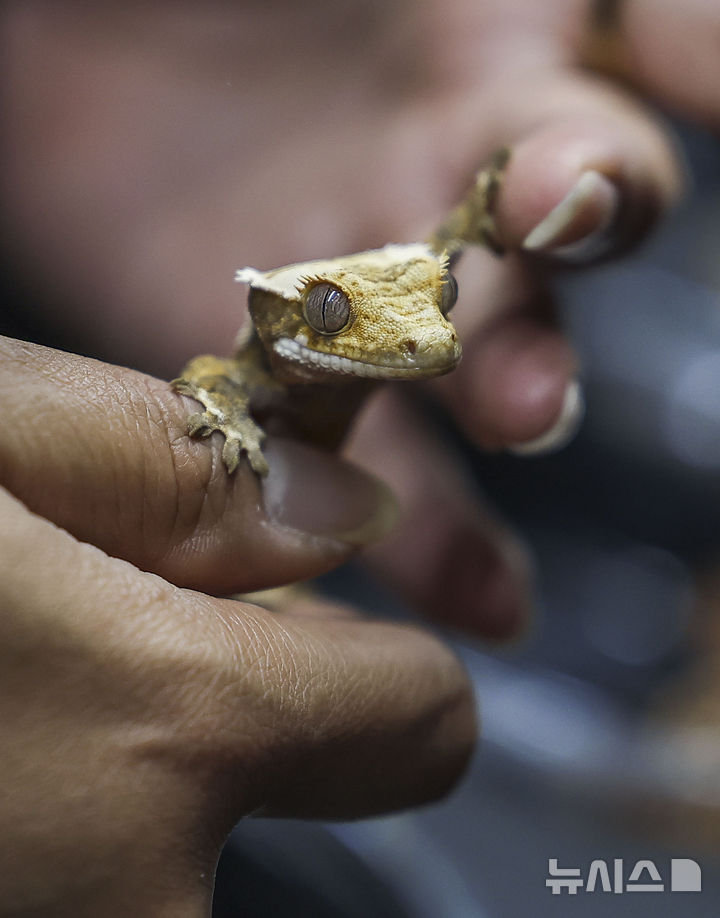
pixel 684 875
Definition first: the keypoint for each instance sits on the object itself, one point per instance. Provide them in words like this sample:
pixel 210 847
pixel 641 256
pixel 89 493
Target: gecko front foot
pixel 210 381
pixel 240 433
pixel 472 222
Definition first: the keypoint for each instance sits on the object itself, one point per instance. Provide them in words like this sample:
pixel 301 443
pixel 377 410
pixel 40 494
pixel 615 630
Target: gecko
pixel 324 333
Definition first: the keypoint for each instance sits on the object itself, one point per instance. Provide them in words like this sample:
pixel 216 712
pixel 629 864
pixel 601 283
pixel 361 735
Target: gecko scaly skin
pixel 324 333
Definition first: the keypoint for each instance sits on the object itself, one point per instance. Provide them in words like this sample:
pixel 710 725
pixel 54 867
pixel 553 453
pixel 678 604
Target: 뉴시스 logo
pixel 684 875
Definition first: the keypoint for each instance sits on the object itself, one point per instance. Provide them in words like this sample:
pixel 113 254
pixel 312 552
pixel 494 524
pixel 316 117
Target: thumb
pixel 102 451
pixel 146 719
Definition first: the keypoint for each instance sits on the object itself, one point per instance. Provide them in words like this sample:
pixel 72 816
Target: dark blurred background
pixel 601 731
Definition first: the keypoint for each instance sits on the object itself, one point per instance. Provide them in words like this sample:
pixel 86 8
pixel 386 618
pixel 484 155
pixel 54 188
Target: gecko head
pixel 380 314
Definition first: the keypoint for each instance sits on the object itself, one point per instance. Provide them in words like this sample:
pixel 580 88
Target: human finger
pixel 666 49
pixel 448 555
pixel 103 452
pixel 590 172
pixel 233 707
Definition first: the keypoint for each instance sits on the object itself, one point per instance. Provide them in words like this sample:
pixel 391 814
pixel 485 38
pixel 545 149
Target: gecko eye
pixel 448 294
pixel 327 308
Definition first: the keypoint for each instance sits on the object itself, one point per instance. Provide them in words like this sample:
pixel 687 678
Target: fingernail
pixel 562 431
pixel 322 495
pixel 578 228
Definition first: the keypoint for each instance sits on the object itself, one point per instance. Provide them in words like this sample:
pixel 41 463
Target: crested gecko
pixel 324 333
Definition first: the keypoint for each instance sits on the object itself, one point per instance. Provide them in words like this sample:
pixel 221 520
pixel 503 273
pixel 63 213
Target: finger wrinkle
pixel 183 479
pixel 190 474
pixel 140 465
pixel 104 456
pixel 259 666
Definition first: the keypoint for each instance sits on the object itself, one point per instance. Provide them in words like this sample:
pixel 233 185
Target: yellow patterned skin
pixel 396 328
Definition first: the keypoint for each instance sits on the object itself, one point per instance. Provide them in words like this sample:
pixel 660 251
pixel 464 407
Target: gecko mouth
pixel 289 349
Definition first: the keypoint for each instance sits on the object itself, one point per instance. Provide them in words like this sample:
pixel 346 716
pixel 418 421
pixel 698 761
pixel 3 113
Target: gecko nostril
pixel 411 346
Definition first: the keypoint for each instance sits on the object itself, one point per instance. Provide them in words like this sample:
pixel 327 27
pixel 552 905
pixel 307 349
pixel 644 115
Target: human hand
pixel 140 719
pixel 151 150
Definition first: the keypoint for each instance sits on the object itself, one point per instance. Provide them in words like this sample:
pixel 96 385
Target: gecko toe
pixel 232 449
pixel 200 425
